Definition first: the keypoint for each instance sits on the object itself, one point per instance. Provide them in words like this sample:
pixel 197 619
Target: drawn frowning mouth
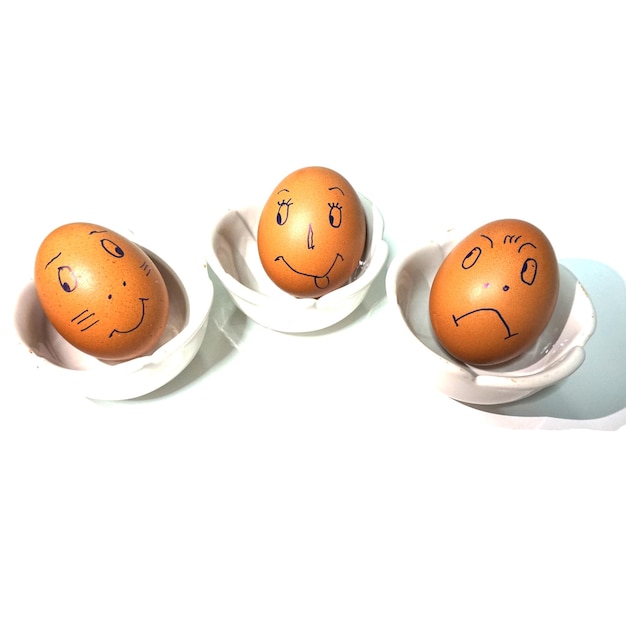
pixel 321 281
pixel 509 334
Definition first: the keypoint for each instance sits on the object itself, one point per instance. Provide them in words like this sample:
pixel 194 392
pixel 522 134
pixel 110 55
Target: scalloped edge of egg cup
pixel 234 257
pixel 190 293
pixel 558 352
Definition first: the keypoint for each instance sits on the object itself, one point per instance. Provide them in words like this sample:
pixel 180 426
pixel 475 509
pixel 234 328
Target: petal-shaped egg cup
pixel 233 256
pixel 191 294
pixel 557 353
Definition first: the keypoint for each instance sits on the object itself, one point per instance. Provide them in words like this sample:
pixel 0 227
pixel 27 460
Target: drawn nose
pixel 309 238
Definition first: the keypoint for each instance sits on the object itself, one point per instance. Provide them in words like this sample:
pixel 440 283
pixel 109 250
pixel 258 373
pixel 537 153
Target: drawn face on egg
pixel 311 232
pixel 101 291
pixel 495 292
pixel 527 274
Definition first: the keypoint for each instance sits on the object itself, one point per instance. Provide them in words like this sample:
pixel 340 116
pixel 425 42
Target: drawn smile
pixel 321 281
pixel 130 330
pixel 509 334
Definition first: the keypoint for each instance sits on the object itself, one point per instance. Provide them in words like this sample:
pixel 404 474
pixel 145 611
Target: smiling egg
pixel 495 292
pixel 101 291
pixel 311 232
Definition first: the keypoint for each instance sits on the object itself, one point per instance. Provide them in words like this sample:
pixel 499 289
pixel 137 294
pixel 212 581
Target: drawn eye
pixel 282 214
pixel 335 214
pixel 67 278
pixel 529 271
pixel 112 248
pixel 471 257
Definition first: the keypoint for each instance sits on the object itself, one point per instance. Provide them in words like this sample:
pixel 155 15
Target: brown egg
pixel 101 291
pixel 494 293
pixel 311 233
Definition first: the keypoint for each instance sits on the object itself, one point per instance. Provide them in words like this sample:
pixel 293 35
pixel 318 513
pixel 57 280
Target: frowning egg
pixel 311 232
pixel 495 292
pixel 101 291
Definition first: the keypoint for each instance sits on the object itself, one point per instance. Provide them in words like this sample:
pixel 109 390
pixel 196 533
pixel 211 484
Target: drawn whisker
pixel 84 316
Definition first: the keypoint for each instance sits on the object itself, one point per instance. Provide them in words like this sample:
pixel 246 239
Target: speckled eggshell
pixel 311 232
pixel 495 292
pixel 101 291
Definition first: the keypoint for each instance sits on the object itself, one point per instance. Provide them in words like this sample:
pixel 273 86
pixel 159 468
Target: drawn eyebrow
pixel 488 238
pixel 97 232
pixel 281 191
pixel 526 244
pixel 52 259
pixel 338 189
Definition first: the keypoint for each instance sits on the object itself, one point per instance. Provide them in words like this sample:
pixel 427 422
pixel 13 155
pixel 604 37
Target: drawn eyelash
pixel 335 214
pixel 283 211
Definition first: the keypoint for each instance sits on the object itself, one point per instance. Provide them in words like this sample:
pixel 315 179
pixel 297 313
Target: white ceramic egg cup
pixel 557 353
pixel 191 294
pixel 234 257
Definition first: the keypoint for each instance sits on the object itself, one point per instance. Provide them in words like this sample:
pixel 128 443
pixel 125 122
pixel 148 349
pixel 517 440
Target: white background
pixel 313 479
